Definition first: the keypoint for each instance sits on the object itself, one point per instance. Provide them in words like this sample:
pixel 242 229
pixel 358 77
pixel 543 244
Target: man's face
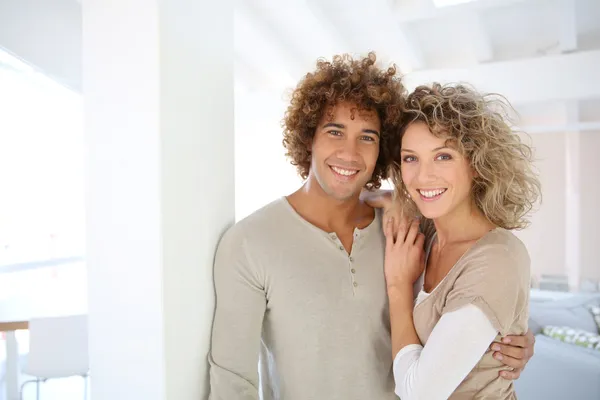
pixel 345 150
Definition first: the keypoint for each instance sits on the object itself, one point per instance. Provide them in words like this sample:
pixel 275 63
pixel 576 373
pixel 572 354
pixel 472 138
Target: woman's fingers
pixel 388 231
pixel 413 231
pixel 420 242
pixel 403 227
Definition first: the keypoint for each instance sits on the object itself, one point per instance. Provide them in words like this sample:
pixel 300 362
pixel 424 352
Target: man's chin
pixel 344 195
pixel 343 191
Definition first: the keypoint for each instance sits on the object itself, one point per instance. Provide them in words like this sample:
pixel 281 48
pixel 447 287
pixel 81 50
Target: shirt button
pixel 351 259
pixel 355 284
pixel 333 236
pixel 342 248
pixel 353 270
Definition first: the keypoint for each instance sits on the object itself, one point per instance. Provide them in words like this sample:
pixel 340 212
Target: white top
pixel 456 344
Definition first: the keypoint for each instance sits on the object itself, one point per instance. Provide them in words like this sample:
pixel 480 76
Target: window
pixel 42 183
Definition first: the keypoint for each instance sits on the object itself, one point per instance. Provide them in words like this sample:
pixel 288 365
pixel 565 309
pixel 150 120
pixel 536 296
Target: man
pixel 300 290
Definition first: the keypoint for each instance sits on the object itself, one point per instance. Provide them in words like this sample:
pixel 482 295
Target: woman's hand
pixel 404 255
pixel 385 199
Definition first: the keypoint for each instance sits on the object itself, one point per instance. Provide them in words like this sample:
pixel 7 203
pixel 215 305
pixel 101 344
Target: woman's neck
pixel 462 224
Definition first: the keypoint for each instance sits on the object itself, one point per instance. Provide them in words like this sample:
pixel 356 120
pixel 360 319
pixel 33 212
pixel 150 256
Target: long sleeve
pixel 455 346
pixel 237 325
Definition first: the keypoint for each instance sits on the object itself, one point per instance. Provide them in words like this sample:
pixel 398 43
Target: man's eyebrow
pixel 371 131
pixel 342 126
pixel 334 125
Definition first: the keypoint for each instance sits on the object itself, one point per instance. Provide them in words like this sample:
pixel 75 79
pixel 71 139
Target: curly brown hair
pixel 343 79
pixel 505 187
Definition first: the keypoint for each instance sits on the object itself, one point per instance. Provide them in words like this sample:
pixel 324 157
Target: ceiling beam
pixel 372 27
pixel 568 26
pixel 572 111
pixel 399 39
pixel 562 128
pixel 426 10
pixel 479 37
pixel 47 35
pixel 556 77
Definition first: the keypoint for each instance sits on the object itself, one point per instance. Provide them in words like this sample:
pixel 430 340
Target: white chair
pixel 58 348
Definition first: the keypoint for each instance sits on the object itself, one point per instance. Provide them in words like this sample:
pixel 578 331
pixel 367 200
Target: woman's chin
pixel 430 213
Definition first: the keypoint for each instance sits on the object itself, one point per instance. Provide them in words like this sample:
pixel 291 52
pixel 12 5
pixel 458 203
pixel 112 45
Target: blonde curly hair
pixel 505 187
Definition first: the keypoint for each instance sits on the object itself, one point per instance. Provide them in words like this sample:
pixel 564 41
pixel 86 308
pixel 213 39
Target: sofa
pixel 559 370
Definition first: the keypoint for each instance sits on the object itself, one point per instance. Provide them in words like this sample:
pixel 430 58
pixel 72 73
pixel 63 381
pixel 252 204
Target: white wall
pixel 262 172
pixel 545 238
pixel 590 205
pixel 548 236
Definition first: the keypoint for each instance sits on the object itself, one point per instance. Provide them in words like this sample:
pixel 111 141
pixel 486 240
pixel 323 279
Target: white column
pixel 573 199
pixel 158 94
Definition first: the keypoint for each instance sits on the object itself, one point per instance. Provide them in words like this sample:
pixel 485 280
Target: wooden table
pixel 13 326
pixel 12 357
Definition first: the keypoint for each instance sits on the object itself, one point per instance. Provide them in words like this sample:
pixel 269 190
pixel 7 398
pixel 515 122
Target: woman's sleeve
pixel 455 346
pixel 495 279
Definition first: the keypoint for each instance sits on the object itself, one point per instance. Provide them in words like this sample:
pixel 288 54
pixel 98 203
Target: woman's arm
pixel 403 265
pixel 401 302
pixel 455 346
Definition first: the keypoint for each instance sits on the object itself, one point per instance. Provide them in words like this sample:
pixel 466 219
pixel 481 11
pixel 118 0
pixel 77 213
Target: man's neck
pixel 328 213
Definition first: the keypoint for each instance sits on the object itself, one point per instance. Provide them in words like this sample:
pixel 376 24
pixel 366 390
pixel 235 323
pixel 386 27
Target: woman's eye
pixel 408 159
pixel 444 157
pixel 335 133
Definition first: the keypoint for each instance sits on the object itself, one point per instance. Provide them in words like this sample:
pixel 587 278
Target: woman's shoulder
pixel 499 250
pixel 504 241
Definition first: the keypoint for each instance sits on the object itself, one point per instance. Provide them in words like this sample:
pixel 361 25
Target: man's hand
pixel 514 351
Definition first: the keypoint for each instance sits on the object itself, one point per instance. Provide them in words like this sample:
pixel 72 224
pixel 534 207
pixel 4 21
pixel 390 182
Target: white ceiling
pixel 536 51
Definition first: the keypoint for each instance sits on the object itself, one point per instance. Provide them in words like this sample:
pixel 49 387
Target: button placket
pixel 352 270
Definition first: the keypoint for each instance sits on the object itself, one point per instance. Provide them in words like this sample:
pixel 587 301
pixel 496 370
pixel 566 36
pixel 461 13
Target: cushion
pixel 574 336
pixel 573 312
pixel 595 310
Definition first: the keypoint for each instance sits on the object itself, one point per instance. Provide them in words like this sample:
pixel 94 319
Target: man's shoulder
pixel 269 219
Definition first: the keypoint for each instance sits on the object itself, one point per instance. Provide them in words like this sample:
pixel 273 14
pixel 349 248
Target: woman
pixel 468 180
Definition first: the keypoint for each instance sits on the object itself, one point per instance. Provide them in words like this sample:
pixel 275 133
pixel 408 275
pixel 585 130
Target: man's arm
pixel 237 325
pixel 515 351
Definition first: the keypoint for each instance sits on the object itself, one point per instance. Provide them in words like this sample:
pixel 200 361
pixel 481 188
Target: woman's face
pixel 436 175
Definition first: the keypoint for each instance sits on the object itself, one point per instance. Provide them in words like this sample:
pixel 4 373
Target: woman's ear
pixel 474 172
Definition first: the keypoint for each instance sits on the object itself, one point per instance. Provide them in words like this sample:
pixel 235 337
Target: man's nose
pixel 348 150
